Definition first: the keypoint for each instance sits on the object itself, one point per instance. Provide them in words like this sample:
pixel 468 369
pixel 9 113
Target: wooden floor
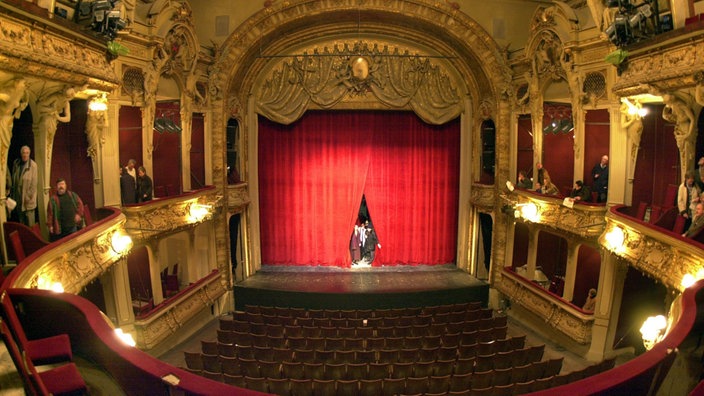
pixel 359 288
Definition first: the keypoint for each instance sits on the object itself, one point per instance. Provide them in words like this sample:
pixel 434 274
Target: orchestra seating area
pixel 454 349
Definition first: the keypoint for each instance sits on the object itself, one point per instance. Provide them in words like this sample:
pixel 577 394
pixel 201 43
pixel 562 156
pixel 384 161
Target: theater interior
pixel 337 207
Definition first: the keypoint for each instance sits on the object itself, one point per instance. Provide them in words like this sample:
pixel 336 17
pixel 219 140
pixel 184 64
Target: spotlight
pixel 160 125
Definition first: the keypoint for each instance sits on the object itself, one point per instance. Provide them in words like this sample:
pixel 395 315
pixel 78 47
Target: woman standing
pixel 144 185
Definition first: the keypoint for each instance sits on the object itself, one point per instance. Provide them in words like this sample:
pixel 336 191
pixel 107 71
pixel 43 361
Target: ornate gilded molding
pixel 661 256
pixel 482 196
pixel 668 67
pixel 237 196
pixel 557 313
pixel 34 48
pixel 163 217
pixel 167 321
pixel 585 221
pixel 76 261
pixel 326 76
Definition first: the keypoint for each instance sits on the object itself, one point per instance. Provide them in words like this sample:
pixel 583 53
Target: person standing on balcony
pixel 600 175
pixel 64 213
pixel 23 185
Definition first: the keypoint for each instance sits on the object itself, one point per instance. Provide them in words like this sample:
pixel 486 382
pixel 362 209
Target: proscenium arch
pixel 466 46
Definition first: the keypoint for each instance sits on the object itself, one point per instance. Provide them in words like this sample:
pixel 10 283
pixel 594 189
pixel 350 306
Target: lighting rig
pixel 633 21
pixel 102 16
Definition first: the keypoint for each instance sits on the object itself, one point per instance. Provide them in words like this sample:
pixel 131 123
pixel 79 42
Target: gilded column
pixel 96 124
pixel 570 269
pixel 608 306
pixel 13 100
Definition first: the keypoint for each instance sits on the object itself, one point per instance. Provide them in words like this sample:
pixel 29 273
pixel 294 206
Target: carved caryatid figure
pixel 632 123
pixel 50 109
pixel 12 101
pixel 679 113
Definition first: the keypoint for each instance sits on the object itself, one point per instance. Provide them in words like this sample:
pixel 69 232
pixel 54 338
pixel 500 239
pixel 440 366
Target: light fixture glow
pixel 614 240
pixel 198 212
pixel 529 211
pixel 652 330
pixel 99 103
pixel 125 337
pixel 45 283
pixel 120 242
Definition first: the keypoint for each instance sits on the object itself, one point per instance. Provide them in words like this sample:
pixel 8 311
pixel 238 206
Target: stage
pixel 359 288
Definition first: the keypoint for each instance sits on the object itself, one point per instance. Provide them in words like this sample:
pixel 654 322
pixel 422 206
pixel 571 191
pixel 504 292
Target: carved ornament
pixel 585 221
pixel 165 322
pixel 77 261
pixel 660 256
pixel 164 217
pixel 670 68
pixel 324 77
pixel 33 50
pixel 482 196
pixel 557 313
pixel 237 196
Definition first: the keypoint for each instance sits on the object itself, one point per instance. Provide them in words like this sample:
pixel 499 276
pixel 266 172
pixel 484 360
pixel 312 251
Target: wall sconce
pixel 652 331
pixel 198 212
pixel 125 337
pixel 120 242
pixel 44 283
pixel 615 238
pixel 98 103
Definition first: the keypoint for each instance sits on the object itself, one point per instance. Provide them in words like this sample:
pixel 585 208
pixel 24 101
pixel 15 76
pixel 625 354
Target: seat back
pixel 670 196
pixel 87 216
pixel 16 355
pixel 678 228
pixel 31 241
pixel 9 315
pixel 655 212
pixel 17 248
pixel 640 214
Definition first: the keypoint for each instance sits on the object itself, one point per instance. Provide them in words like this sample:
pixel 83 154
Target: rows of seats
pixel 443 349
pixel 376 353
pixel 243 320
pixel 526 362
pixel 393 340
pixel 549 380
pixel 344 327
pixel 362 313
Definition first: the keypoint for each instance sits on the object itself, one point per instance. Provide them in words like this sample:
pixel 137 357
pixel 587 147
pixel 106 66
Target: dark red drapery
pixel 312 175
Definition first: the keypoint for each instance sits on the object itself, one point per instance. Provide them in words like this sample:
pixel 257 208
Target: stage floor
pixel 359 288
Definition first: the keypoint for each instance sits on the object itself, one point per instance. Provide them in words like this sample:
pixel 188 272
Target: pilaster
pixel 608 306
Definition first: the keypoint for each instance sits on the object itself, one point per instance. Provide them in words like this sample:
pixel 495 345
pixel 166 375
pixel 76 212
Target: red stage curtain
pixel 312 176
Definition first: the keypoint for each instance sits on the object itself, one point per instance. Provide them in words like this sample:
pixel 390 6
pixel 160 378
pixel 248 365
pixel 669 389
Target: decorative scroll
pixel 398 80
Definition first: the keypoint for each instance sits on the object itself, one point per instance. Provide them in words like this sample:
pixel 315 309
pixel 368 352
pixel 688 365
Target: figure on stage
pixel 356 244
pixel 369 243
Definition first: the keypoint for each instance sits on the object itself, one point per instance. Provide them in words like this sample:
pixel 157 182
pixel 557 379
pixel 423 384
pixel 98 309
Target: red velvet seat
pixel 54 349
pixel 62 380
